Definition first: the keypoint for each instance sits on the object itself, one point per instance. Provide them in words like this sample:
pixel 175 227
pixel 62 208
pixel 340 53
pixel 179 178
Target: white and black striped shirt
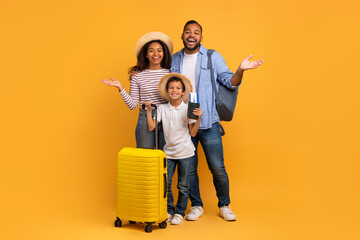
pixel 144 87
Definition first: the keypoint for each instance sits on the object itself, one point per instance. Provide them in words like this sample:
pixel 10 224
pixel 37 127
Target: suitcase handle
pixel 165 185
pixel 152 105
pixel 156 126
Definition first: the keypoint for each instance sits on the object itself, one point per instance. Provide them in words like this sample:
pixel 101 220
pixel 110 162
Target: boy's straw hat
pixel 165 79
pixel 153 36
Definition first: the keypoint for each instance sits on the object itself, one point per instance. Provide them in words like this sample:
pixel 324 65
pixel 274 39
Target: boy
pixel 178 129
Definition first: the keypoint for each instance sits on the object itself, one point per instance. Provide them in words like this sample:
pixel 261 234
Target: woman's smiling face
pixel 155 54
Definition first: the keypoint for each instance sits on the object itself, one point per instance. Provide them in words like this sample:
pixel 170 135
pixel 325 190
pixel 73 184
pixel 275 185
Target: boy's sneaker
pixel 227 214
pixel 170 217
pixel 195 213
pixel 177 219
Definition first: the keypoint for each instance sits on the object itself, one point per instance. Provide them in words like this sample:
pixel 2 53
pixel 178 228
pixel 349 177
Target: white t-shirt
pixel 175 124
pixel 189 68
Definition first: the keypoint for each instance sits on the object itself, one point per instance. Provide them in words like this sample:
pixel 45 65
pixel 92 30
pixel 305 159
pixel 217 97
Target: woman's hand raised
pixel 113 82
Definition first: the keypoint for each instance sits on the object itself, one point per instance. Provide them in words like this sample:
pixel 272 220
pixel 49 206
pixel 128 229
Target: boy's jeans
pixel 183 184
pixel 211 142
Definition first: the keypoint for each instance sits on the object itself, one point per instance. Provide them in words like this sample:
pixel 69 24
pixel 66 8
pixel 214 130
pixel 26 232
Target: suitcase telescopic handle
pixel 156 126
pixel 165 185
pixel 152 105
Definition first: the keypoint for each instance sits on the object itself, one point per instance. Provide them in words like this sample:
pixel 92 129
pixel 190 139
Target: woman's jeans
pixel 211 142
pixel 149 136
pixel 183 184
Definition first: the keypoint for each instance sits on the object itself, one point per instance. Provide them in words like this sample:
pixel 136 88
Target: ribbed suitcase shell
pixel 141 185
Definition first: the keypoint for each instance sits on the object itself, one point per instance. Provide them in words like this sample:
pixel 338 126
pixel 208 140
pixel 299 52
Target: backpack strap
pixel 209 65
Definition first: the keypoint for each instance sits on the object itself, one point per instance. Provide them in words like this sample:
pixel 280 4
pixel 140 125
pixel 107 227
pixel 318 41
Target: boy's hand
pixel 197 112
pixel 148 105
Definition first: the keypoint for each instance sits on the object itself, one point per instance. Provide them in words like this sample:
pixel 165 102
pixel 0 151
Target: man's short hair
pixel 192 22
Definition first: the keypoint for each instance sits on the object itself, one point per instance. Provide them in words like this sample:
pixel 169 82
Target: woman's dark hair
pixel 143 62
pixel 175 79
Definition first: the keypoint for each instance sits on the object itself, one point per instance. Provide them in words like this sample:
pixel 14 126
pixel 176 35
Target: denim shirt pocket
pixel 205 72
pixel 174 69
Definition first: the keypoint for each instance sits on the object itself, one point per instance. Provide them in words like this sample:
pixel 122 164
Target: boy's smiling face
pixel 175 90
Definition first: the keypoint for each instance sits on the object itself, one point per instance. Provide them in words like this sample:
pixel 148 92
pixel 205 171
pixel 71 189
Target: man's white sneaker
pixel 177 219
pixel 170 217
pixel 195 213
pixel 227 214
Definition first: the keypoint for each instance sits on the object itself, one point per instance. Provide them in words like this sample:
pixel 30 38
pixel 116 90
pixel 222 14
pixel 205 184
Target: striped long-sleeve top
pixel 144 87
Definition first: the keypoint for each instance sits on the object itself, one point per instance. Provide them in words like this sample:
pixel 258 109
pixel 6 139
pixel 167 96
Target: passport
pixel 191 107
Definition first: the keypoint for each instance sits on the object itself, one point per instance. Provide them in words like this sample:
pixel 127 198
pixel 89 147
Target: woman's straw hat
pixel 153 36
pixel 165 79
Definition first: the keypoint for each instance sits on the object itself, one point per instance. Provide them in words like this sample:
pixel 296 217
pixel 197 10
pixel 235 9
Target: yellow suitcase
pixel 142 187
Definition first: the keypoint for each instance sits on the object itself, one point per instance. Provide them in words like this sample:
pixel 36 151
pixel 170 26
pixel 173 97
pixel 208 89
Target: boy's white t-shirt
pixel 189 68
pixel 175 125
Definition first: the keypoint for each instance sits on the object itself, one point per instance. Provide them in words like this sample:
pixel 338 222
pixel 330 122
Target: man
pixel 192 61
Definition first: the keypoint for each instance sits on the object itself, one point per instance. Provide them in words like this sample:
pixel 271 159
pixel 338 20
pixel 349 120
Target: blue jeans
pixel 149 136
pixel 211 142
pixel 183 184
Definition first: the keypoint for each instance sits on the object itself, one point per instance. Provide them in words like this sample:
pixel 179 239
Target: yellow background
pixel 292 151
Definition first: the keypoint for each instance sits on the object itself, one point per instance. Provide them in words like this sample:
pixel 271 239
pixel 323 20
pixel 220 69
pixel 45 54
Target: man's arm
pixel 245 65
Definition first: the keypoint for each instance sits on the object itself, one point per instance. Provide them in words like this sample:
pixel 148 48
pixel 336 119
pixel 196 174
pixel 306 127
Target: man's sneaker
pixel 227 214
pixel 177 219
pixel 195 213
pixel 170 217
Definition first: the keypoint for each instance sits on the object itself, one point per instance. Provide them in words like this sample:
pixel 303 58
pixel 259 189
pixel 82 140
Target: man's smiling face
pixel 192 37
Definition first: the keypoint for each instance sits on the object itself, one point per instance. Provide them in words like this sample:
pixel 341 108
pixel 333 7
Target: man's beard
pixel 191 48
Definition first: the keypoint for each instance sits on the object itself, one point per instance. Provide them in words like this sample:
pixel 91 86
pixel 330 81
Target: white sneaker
pixel 227 214
pixel 170 217
pixel 195 213
pixel 177 219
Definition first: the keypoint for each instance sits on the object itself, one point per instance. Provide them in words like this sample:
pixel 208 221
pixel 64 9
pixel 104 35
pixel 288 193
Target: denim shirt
pixel 204 86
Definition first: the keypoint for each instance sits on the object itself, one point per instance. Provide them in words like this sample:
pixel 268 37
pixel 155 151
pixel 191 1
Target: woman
pixel 153 51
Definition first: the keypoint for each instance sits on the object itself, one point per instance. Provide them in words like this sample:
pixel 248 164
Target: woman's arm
pixel 113 82
pixel 131 100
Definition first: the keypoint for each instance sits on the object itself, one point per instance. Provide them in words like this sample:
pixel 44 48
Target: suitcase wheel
pixel 132 222
pixel 163 224
pixel 148 228
pixel 117 222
